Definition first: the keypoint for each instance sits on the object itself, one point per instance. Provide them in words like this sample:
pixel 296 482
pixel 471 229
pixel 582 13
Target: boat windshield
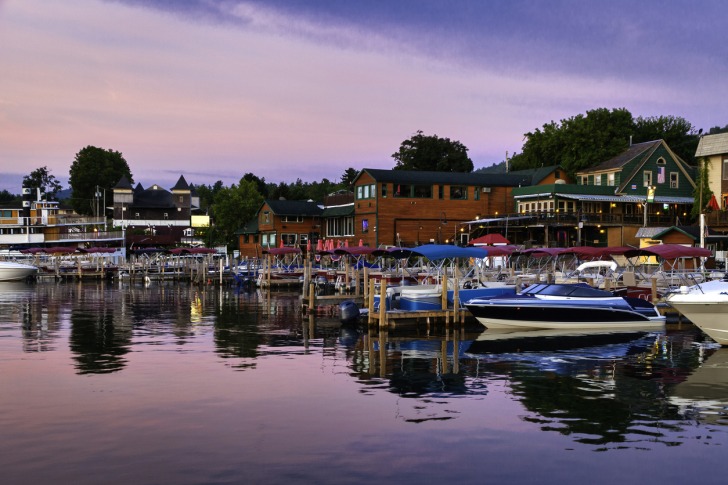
pixel 580 290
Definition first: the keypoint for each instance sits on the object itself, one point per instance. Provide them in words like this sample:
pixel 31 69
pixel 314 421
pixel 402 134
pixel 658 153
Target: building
pixel 45 223
pixel 646 185
pixel 712 155
pixel 156 216
pixel 409 208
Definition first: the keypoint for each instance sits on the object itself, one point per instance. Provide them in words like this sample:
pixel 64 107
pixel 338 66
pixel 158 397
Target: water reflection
pixel 634 390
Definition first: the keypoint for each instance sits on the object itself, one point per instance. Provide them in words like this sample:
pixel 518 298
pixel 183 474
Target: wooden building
pixel 409 208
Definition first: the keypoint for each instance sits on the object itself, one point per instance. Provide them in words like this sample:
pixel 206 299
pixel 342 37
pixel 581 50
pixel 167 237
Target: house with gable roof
pixel 156 216
pixel 712 153
pixel 645 185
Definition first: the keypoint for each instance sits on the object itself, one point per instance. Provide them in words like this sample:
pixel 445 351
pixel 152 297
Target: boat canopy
pixel 669 251
pixel 447 251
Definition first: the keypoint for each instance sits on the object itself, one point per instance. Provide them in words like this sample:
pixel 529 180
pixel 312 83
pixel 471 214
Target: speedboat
pixel 565 306
pixel 12 271
pixel 706 305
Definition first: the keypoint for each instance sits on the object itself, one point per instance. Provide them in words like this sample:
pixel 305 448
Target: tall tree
pixel 41 178
pixel 578 142
pixel 6 197
pixel 233 207
pixel 95 168
pixel 677 132
pixel 423 152
pixel 348 177
pixel 701 192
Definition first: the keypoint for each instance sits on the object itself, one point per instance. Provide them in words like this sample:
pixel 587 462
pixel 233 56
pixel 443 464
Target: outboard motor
pixel 349 311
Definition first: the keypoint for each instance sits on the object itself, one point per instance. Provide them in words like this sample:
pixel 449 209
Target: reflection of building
pixel 42 222
pixel 156 216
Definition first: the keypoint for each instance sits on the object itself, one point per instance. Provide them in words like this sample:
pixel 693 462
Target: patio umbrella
pixel 490 239
pixel 713 203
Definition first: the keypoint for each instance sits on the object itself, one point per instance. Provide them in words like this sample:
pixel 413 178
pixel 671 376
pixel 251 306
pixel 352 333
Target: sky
pixel 295 89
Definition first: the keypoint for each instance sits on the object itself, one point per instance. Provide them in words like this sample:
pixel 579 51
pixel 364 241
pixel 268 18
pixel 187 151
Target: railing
pixel 87 236
pixel 53 220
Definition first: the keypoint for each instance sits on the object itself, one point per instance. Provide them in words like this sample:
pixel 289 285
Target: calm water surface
pixel 121 384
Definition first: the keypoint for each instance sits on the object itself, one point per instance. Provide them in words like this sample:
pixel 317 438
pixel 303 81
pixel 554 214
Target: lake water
pixel 102 383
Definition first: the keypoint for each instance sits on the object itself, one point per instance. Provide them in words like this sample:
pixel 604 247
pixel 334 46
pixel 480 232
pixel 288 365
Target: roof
pixel 634 151
pixel 712 145
pixel 250 227
pixel 536 174
pixel 123 183
pixel 181 184
pixel 339 211
pixel 294 207
pixel 627 198
pixel 448 178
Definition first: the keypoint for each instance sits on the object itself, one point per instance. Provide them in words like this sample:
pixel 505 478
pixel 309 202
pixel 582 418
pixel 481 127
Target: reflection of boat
pixel 705 305
pixel 706 388
pixel 12 271
pixel 564 306
pixel 499 340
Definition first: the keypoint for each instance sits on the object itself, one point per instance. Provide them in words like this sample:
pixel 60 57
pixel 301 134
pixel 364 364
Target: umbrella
pixel 713 203
pixel 490 239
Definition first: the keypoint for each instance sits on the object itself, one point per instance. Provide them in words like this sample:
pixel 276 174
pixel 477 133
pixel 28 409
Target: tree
pixel 233 207
pixel 6 197
pixel 422 152
pixel 95 167
pixel 348 177
pixel 41 179
pixel 677 132
pixel 578 142
pixel 702 192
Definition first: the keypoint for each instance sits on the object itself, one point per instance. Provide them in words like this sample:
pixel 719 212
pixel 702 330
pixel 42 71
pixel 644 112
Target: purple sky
pixel 213 89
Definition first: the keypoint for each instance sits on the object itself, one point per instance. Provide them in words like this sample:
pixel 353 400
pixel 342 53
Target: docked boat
pixel 706 305
pixel 12 271
pixel 564 306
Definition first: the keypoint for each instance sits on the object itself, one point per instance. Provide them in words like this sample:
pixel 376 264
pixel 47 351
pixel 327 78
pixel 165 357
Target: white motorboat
pixel 12 271
pixel 706 305
pixel 565 306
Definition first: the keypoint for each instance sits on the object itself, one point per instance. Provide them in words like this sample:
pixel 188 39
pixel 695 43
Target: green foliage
pixel 422 152
pixel 578 142
pixel 583 141
pixel 40 178
pixel 702 192
pixel 94 167
pixel 207 193
pixel 232 207
pixel 677 132
pixel 348 177
pixel 717 129
pixel 6 197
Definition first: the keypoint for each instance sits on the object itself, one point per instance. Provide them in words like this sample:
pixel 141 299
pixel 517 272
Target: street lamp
pixel 650 198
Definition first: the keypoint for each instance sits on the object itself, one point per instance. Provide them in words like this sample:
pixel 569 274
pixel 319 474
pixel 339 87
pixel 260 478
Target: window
pixel 266 217
pixel 422 191
pixel 674 180
pixel 348 223
pixel 402 190
pixel 610 179
pixel 365 225
pixel 597 180
pixel 289 239
pixel 166 215
pixel 458 192
pixel 725 168
pixel 646 178
pixel 661 161
pixel 476 193
pixel 360 192
pixel 440 192
pixel 384 190
pixel 292 219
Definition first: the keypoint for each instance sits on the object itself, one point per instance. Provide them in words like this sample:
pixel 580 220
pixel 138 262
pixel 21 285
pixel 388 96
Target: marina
pixel 123 382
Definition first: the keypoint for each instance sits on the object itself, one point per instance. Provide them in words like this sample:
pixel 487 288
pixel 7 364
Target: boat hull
pixel 706 306
pixel 512 314
pixel 10 271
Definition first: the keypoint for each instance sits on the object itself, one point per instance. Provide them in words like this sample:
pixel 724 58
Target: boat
pixel 12 271
pixel 564 306
pixel 706 305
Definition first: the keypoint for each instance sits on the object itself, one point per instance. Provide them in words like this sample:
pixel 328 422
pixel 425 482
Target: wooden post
pixel 311 298
pixel 382 305
pixel 654 289
pixel 366 283
pixel 456 301
pixel 371 300
pixel 444 290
